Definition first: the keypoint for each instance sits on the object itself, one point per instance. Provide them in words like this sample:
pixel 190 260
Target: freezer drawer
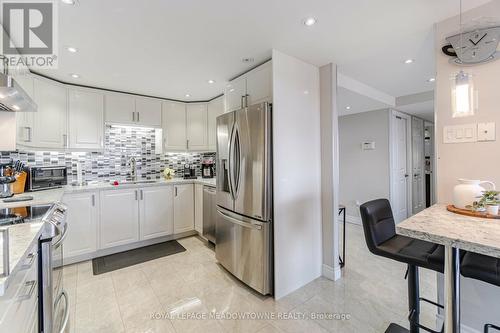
pixel 244 249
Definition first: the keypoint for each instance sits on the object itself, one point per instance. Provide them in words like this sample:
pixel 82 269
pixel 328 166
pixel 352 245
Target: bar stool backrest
pixel 378 222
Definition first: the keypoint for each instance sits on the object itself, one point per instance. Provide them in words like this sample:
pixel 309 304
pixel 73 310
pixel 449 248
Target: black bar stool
pixel 483 268
pixel 382 240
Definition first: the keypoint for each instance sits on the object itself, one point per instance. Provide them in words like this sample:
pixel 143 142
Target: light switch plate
pixel 368 145
pixel 460 133
pixel 486 132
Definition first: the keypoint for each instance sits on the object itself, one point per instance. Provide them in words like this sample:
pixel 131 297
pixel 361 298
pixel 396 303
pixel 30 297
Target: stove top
pixel 10 216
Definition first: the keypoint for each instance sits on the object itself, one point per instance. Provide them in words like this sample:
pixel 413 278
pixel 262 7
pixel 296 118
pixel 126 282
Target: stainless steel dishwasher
pixel 209 213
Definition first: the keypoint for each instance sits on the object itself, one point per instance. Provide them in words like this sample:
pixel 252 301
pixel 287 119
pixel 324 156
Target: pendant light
pixel 462 90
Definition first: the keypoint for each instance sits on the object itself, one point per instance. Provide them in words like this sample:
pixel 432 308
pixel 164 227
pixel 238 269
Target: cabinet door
pixel 119 221
pixel 82 224
pixel 119 108
pixel 215 109
pixel 183 208
pixel 260 84
pixel 148 112
pixel 234 94
pixel 197 121
pixel 198 208
pixel 174 126
pixel 25 120
pixel 156 212
pixel 49 130
pixel 86 123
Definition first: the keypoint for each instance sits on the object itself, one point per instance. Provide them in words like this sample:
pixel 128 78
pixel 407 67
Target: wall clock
pixel 473 47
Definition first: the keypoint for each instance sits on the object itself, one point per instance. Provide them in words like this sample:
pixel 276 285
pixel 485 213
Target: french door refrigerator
pixel 244 196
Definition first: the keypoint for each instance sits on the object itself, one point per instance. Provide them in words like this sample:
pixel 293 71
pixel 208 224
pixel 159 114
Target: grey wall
pixel 364 174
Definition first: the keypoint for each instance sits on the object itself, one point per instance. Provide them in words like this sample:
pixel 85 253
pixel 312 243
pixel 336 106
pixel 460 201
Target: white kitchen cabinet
pixel 85 112
pixel 82 220
pixel 234 94
pixel 196 118
pixel 156 212
pixel 215 109
pixel 119 218
pixel 198 208
pixel 174 126
pixel 50 122
pixel 119 108
pixel 25 120
pixel 260 84
pixel 183 208
pixel 148 112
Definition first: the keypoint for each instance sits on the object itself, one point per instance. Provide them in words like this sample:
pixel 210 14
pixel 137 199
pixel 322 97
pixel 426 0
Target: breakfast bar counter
pixel 456 232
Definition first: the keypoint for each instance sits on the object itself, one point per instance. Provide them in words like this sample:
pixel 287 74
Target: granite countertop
pixel 436 224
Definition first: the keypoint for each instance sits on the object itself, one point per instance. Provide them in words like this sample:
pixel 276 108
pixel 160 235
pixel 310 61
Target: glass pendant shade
pixel 462 95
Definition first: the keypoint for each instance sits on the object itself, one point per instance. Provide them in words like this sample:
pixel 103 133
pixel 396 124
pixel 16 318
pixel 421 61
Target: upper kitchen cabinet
pixel 50 122
pixel 25 120
pixel 119 108
pixel 174 126
pixel 197 119
pixel 86 113
pixel 215 109
pixel 148 112
pixel 251 88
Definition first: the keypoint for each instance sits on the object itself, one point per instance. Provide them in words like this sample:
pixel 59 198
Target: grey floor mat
pixel 133 257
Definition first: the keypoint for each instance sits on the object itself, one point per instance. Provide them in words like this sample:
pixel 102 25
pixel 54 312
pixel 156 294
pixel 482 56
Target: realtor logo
pixel 29 32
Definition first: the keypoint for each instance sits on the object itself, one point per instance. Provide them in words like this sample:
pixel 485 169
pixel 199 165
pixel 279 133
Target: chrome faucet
pixel 132 162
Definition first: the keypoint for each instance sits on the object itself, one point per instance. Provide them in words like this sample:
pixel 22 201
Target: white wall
pixel 364 174
pixel 7 131
pixel 469 160
pixel 297 173
pixel 329 170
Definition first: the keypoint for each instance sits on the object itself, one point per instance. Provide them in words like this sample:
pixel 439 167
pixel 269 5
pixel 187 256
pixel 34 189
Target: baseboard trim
pixel 463 328
pixel 351 219
pixel 331 273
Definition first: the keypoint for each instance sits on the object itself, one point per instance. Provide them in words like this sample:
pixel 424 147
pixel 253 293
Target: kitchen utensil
pixel 5 186
pixel 468 191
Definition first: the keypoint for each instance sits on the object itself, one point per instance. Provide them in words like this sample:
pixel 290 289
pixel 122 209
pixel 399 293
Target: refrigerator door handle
pixel 231 163
pixel 238 222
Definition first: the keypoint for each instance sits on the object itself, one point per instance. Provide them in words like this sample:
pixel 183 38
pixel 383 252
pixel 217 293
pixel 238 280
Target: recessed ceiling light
pixel 75 76
pixel 211 81
pixel 15 107
pixel 187 95
pixel 69 2
pixel 247 60
pixel 71 49
pixel 347 107
pixel 231 90
pixel 310 21
pixel 409 61
pixel 432 79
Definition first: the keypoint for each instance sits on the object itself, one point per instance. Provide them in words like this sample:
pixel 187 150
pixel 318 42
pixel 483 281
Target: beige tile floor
pixel 191 285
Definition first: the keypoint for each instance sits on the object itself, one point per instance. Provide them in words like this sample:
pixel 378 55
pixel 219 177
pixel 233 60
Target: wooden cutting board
pixel 471 213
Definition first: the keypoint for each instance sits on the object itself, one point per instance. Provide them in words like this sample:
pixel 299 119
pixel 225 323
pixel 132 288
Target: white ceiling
pixel 170 48
pixel 356 102
pixel 424 110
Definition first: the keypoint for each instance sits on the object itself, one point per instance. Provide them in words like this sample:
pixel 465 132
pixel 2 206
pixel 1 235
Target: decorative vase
pixel 468 191
pixel 492 210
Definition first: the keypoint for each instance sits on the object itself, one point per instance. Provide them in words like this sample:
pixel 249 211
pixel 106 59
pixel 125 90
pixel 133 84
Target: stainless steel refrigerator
pixel 244 196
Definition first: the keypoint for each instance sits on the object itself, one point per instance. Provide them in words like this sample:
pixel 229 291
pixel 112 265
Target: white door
pixel 156 212
pixel 119 109
pixel 183 208
pixel 49 130
pixel 400 173
pixel 25 120
pixel 86 113
pixel 418 158
pixel 196 117
pixel 260 84
pixel 148 112
pixel 215 109
pixel 174 126
pixel 198 208
pixel 234 94
pixel 82 224
pixel 119 220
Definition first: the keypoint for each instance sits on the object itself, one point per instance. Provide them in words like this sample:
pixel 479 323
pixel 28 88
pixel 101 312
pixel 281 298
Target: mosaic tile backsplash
pixel 121 143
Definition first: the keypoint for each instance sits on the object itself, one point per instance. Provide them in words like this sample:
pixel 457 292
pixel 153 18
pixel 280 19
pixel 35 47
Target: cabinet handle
pixel 65 139
pixel 187 144
pixel 133 116
pixel 175 187
pixel 246 100
pixel 138 116
pixel 135 195
pixel 242 103
pixel 93 200
pixel 142 195
pixel 28 130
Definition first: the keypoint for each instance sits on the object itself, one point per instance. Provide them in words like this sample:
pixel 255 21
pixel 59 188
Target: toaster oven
pixel 46 177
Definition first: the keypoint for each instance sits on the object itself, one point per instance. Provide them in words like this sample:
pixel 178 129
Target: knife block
pixel 18 185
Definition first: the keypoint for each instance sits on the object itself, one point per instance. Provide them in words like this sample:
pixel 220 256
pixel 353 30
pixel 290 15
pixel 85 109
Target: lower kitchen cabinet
pixel 183 208
pixel 119 222
pixel 156 212
pixel 198 208
pixel 83 213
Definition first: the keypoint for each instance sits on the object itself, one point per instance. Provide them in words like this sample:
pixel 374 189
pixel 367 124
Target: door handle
pixel 64 232
pixel 406 175
pixel 238 222
pixel 66 310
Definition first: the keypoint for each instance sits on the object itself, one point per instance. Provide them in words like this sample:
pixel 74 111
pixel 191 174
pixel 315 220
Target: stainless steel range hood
pixel 13 97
